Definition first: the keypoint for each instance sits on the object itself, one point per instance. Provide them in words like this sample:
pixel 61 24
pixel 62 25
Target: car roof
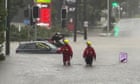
pixel 28 42
pixel 33 42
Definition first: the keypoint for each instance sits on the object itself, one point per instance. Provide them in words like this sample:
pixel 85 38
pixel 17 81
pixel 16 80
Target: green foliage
pixel 2 57
pixel 45 33
pixel 28 33
pixel 2 22
pixel 1 37
pixel 15 5
pixel 2 13
pixel 15 35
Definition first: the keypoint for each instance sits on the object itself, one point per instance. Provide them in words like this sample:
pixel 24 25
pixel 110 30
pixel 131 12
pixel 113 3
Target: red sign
pixel 45 16
pixel 70 26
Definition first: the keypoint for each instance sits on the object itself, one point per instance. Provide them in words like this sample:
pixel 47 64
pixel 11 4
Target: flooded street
pixel 49 69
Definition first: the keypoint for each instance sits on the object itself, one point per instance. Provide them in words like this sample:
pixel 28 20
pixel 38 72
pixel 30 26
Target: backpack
pixel 89 52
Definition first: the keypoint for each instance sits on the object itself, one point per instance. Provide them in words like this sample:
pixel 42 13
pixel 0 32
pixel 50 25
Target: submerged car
pixel 37 47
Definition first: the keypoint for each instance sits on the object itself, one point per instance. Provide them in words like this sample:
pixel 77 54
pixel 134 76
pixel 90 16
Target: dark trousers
pixel 89 60
pixel 66 60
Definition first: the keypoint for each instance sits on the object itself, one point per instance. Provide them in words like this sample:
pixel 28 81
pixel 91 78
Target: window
pixel 30 46
pixel 40 45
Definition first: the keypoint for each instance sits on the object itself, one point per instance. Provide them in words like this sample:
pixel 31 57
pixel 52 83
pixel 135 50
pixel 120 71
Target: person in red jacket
pixel 67 52
pixel 89 54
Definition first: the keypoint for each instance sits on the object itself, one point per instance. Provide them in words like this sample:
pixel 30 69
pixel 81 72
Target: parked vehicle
pixel 37 47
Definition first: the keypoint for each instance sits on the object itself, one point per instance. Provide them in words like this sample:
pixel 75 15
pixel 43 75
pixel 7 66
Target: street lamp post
pixel 109 16
pixel 72 15
pixel 75 26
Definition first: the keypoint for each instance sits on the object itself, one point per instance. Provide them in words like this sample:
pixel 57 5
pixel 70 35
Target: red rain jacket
pixel 67 52
pixel 89 52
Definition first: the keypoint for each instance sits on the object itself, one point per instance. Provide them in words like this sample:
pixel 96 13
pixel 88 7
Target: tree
pixel 16 5
pixel 133 6
pixel 13 7
pixel 56 11
pixel 2 21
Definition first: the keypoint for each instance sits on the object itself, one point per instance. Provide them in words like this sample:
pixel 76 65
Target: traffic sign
pixel 27 21
pixel 123 57
pixel 85 23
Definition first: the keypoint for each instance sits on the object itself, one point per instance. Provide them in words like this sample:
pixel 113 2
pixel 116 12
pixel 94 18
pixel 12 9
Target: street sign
pixel 71 1
pixel 72 9
pixel 47 5
pixel 123 56
pixel 27 21
pixel 85 23
pixel 70 26
pixel 45 17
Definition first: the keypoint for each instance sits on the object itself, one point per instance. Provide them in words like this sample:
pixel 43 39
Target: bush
pixel 2 57
pixel 28 33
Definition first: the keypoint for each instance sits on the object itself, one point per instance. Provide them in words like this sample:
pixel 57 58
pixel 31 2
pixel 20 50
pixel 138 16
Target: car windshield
pixel 51 45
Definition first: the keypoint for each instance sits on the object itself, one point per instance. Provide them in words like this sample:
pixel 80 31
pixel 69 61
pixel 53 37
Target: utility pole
pixel 75 26
pixel 85 20
pixel 7 6
pixel 63 14
pixel 109 16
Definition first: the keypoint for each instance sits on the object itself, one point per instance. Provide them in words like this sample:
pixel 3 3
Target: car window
pixel 21 46
pixel 42 45
pixel 51 45
pixel 30 46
